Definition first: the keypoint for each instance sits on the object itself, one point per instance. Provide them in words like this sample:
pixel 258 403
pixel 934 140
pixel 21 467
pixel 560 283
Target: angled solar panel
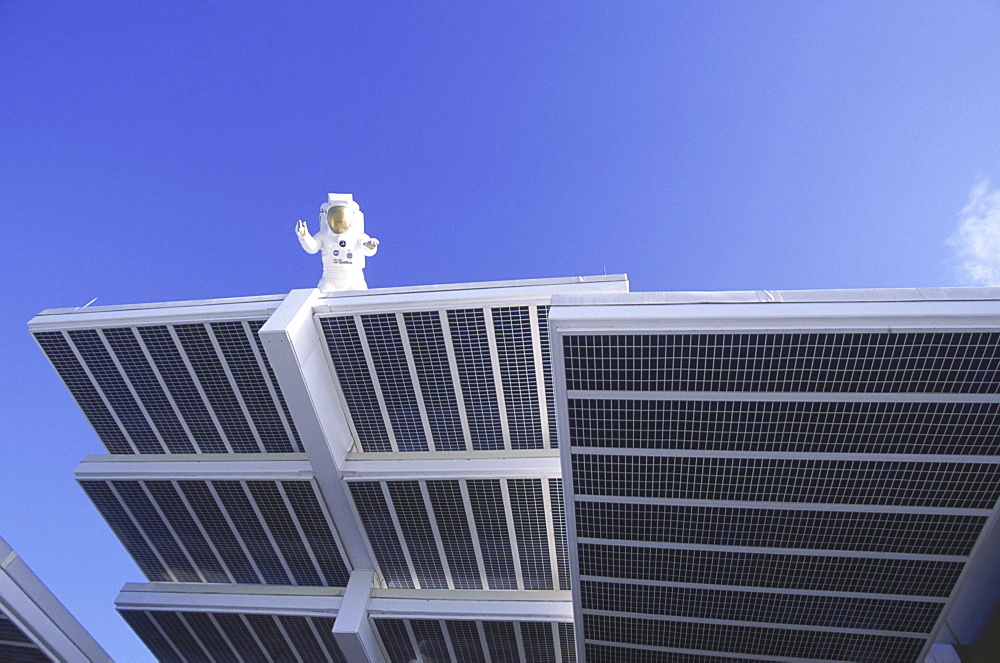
pixel 795 496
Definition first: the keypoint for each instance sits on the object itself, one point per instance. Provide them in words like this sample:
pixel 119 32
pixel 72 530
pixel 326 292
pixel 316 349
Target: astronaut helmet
pixel 340 214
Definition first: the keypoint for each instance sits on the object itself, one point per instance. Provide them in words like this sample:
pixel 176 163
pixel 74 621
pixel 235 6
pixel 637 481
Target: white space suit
pixel 343 253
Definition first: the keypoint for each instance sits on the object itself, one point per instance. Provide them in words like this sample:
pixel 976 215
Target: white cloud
pixel 977 238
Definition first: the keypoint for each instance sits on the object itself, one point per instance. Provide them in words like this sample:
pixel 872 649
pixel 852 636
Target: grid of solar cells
pixel 348 357
pixel 486 498
pixel 148 389
pixel 886 483
pixel 377 521
pixel 844 362
pixel 223 531
pixel 392 370
pixel 512 330
pixel 57 349
pixel 197 345
pixel 803 426
pixel 181 385
pixel 415 524
pixel 757 606
pixel 559 526
pixel 111 383
pixel 484 525
pixel 430 359
pixel 761 641
pixel 905 577
pixel 15 645
pixel 475 371
pixel 905 533
pixel 227 636
pixel 456 539
pixel 528 510
pixel 604 653
pixel 550 398
pixel 251 381
pixel 124 528
pixel 255 326
pixel 471 641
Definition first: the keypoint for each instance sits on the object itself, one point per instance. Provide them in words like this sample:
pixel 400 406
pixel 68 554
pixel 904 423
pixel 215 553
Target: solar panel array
pixel 716 520
pixel 251 532
pixel 469 379
pixel 466 533
pixel 15 645
pixel 223 637
pixel 175 389
pixel 470 641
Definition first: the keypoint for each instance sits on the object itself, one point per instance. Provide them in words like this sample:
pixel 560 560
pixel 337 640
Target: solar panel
pixel 470 640
pixel 249 637
pixel 253 532
pixel 842 362
pixel 15 645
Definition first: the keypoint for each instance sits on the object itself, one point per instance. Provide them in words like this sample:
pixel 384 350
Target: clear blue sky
pixel 161 151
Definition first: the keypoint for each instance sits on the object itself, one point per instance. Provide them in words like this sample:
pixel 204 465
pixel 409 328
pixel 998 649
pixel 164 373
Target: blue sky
pixel 160 151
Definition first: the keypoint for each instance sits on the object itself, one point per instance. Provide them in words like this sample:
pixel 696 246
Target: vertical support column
pixel 352 629
pixel 298 356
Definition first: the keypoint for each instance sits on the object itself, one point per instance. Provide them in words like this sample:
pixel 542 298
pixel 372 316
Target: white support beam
pixel 507 605
pixel 197 467
pixel 299 358
pixel 39 614
pixel 240 599
pixel 453 465
pixel 352 629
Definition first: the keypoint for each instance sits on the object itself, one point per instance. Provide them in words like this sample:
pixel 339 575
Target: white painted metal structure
pixel 368 475
pixel 34 625
pixel 379 475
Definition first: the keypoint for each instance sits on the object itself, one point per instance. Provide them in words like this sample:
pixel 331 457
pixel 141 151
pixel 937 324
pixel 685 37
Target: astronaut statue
pixel 342 240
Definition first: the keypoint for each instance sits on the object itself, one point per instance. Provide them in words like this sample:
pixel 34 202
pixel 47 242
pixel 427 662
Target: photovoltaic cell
pixel 430 358
pixel 494 539
pixel 392 370
pixel 396 640
pixel 109 506
pixel 318 531
pixel 802 426
pixel 755 640
pixel 465 641
pixel 252 384
pixel 512 329
pixel 180 383
pixel 251 531
pixel 281 525
pixel 255 326
pixel 475 370
pixel 769 570
pixel 112 384
pixel 799 480
pixel 162 540
pixel 532 538
pixel 187 531
pixel 456 538
pixel 227 544
pixel 179 634
pixel 408 502
pixel 430 639
pixel 839 362
pixel 355 382
pixel 58 350
pixel 764 607
pixel 151 636
pixel 559 526
pixel 906 533
pixel 550 399
pixel 147 387
pixel 208 367
pixel 228 637
pixel 377 521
